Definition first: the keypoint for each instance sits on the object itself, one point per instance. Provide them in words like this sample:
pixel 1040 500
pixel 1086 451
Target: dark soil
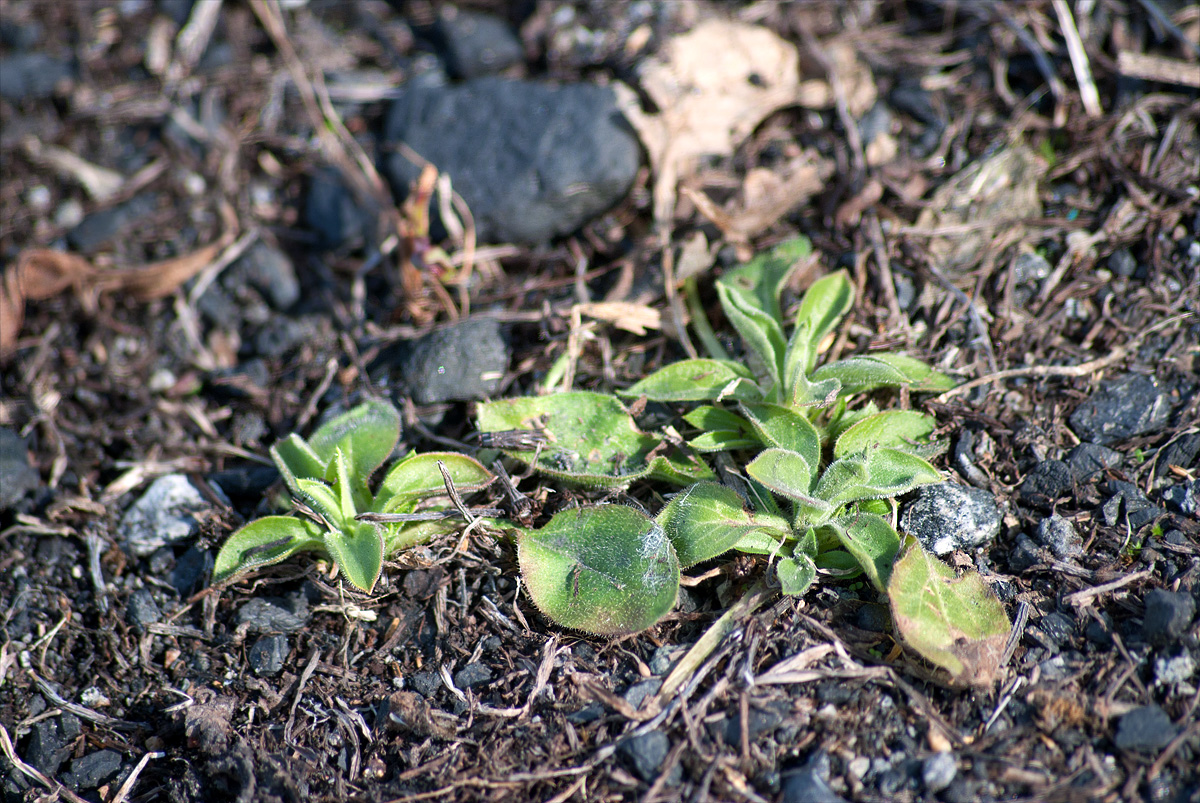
pixel 125 677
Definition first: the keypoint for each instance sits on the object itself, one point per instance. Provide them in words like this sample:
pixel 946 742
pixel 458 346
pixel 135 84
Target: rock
pixel 208 724
pixel 664 658
pixel 1088 461
pixel 17 477
pixel 1184 497
pixel 938 771
pixel 760 720
pixel 32 76
pixel 646 754
pixel 531 160
pixel 1059 535
pixel 1168 615
pixel 93 770
pixel 947 516
pixel 266 268
pixel 462 362
pixel 636 694
pixel 473 44
pixel 1024 555
pixel 1127 406
pixel 425 684
pixel 141 609
pixel 1048 481
pixel 271 615
pixel 190 570
pixel 1139 511
pixel 1058 627
pixel 472 675
pixel 244 482
pixel 50 742
pixel 589 713
pixel 169 512
pixel 99 227
pixel 874 618
pixel 268 654
pixel 281 334
pixel 1145 728
pixel 1169 670
pixel 331 210
pixel 807 784
pixel 1122 263
pixel 1181 452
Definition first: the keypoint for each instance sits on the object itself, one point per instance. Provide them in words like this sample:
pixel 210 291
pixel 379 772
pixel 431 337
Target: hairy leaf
pixel 608 570
pixel 417 476
pixel 367 435
pixel 357 549
pixel 785 472
pixel 265 542
pixel 955 622
pixel 873 474
pixel 759 330
pixel 796 573
pixel 760 281
pixel 707 520
pixel 897 429
pixel 826 301
pixel 295 458
pixel 872 542
pixel 785 428
pixel 696 380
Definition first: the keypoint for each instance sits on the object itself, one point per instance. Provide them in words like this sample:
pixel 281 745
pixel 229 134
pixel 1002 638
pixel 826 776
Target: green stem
pixel 700 323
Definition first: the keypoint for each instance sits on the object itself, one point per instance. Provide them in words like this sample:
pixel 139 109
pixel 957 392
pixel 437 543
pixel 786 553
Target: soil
pixel 125 677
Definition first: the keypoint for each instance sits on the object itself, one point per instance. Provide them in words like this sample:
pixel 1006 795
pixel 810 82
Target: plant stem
pixel 703 328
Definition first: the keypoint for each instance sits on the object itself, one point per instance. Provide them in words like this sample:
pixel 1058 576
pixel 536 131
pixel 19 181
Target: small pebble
pixel 938 771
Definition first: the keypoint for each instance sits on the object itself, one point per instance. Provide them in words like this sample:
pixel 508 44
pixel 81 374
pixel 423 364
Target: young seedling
pixel 329 476
pixel 822 465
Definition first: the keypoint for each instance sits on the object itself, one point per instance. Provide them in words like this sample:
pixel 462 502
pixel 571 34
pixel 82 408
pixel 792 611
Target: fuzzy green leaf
pixel 367 435
pixel 824 303
pixel 869 372
pixel 417 476
pixel 786 473
pixel 897 429
pixel 357 549
pixel 921 376
pixel 696 380
pixel 607 570
pixel 593 440
pixel 872 542
pixel 955 622
pixel 785 428
pixel 873 474
pixel 796 574
pixel 321 498
pixel 722 441
pixel 265 542
pixel 295 458
pixel 707 520
pixel 760 331
pixel 716 419
pixel 760 281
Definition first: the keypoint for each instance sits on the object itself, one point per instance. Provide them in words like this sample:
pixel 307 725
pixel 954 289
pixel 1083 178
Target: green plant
pixel 819 474
pixel 329 475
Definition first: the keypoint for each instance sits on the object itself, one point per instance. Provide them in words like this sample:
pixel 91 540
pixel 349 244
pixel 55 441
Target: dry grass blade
pixel 159 279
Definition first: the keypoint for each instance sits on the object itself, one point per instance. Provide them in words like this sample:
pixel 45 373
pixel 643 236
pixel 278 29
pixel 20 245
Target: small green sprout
pixel 329 476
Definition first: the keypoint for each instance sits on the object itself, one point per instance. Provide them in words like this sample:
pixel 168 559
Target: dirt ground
pixel 1015 189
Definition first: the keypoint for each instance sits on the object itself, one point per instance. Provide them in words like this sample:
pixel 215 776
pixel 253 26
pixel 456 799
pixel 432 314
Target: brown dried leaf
pixel 636 318
pixel 713 85
pixel 44 273
pixel 159 279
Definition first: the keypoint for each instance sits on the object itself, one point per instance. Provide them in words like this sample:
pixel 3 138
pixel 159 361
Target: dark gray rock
pixel 331 210
pixel 1046 482
pixel 1059 535
pixel 425 684
pixel 1058 627
pixel 282 333
pixel 808 783
pixel 947 516
pixel 1088 461
pixel 141 609
pixel 760 720
pixel 266 268
pixel 664 658
pixel 473 44
pixel 268 655
pixel 271 615
pixel 32 76
pixel 589 713
pixel 1146 728
pixel 646 754
pixel 93 770
pixel 167 513
pixel 1024 554
pixel 938 771
pixel 636 694
pixel 1099 632
pixel 1168 615
pixel 17 477
pixel 462 362
pixel 191 570
pixel 1127 497
pixel 1181 451
pixel 20 36
pixel 1129 405
pixel 50 742
pixel 99 227
pixel 472 675
pixel 873 617
pixel 531 160
pixel 1122 263
pixel 1184 497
